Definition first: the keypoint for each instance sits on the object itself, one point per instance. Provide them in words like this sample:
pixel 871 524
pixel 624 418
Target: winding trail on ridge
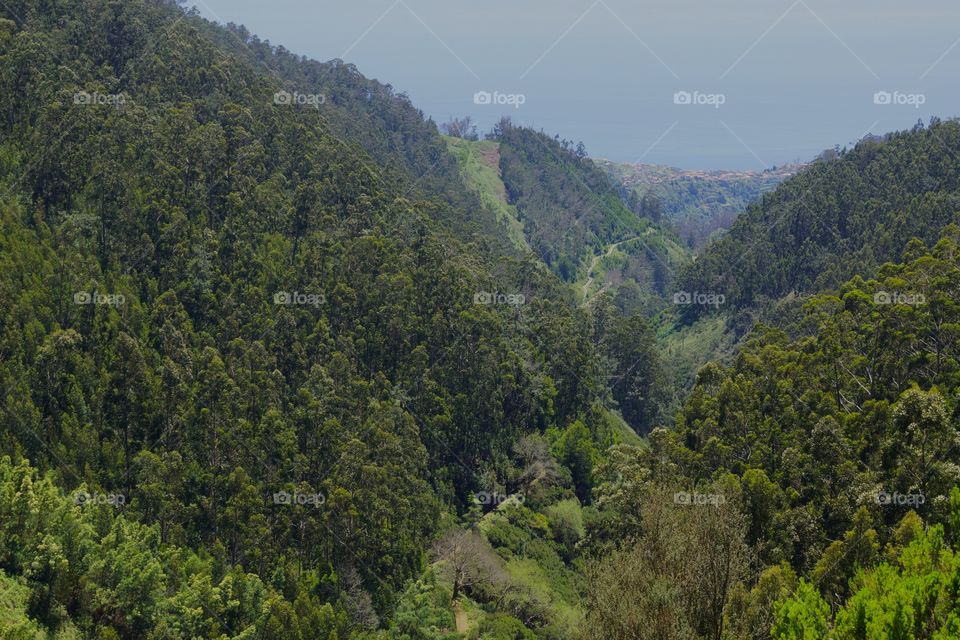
pixel 593 263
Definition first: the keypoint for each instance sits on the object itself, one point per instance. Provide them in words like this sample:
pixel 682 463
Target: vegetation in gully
pixel 280 360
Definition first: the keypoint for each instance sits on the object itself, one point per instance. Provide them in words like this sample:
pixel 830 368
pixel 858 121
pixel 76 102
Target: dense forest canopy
pixel 239 312
pixel 274 365
pixel 840 217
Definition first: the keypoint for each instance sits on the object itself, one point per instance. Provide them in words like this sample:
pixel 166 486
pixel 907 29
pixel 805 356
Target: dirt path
pixel 461 617
pixel 593 263
pixel 491 157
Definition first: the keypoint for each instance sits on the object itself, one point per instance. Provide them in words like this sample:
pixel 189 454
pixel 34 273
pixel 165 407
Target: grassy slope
pixel 478 162
pixel 622 432
pixel 480 172
pixel 717 337
pixel 686 348
pixel 618 261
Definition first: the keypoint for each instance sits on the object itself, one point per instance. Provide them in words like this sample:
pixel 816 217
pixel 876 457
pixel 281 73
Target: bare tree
pixel 539 467
pixel 468 561
pixel 358 601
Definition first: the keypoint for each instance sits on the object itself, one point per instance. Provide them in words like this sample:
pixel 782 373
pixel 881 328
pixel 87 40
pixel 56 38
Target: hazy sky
pixel 769 81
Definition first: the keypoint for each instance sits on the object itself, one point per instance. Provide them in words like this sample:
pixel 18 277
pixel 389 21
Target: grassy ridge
pixel 479 166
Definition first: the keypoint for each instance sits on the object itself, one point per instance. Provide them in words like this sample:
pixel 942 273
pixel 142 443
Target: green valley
pixel 281 359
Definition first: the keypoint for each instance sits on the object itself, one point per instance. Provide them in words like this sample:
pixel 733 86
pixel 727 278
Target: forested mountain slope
pixel 836 218
pixel 835 440
pixel 572 213
pixel 271 369
pixel 364 112
pixel 261 317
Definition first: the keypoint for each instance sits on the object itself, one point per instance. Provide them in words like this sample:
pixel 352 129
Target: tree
pixel 467 561
pixel 460 128
pixel 924 441
pixel 637 380
pixel 676 579
pixel 575 449
pixel 651 207
pixel 858 549
pixel 804 616
pixel 751 614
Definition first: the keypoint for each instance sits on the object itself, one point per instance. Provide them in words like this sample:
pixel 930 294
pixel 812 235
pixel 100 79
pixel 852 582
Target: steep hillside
pixel 280 362
pixel 372 116
pixel 818 470
pixel 570 213
pixel 258 352
pixel 479 162
pixel 837 218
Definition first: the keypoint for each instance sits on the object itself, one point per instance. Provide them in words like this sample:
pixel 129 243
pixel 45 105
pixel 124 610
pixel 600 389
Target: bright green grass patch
pixel 622 432
pixel 539 583
pixel 485 181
